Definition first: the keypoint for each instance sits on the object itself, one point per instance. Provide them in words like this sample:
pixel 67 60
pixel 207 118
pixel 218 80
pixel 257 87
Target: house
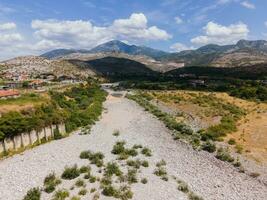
pixel 4 94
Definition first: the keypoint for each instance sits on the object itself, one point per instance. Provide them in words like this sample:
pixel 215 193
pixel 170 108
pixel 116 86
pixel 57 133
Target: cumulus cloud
pixel 8 34
pixel 178 20
pixel 83 34
pixel 248 5
pixel 265 23
pixel 219 34
pixel 7 26
pixel 177 47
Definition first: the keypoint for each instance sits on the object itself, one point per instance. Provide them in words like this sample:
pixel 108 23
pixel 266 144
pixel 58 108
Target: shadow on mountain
pixel 117 68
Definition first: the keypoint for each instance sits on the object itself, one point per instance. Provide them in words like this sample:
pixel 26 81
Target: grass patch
pixel 33 194
pixel 61 195
pixel 70 173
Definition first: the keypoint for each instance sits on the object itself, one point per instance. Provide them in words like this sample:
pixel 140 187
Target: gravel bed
pixel 206 176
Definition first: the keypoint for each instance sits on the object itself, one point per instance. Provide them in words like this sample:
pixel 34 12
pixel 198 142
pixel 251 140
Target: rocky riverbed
pixel 210 178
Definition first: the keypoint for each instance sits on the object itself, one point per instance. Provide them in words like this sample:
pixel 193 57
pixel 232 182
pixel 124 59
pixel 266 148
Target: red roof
pixel 8 93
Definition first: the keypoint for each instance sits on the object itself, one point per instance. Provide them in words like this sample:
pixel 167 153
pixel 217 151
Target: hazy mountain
pixel 109 47
pixel 243 53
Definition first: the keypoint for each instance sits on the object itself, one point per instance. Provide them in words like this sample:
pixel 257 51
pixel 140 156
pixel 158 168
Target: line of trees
pixel 76 107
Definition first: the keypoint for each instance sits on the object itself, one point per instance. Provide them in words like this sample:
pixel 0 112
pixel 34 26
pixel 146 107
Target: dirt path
pixel 208 177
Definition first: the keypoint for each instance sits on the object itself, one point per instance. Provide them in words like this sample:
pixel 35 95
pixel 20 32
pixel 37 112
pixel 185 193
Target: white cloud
pixel 178 20
pixel 7 26
pixel 248 5
pixel 83 34
pixel 177 47
pixel 219 34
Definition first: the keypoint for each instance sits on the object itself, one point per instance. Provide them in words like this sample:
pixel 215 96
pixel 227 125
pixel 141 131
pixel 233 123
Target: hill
pixel 116 67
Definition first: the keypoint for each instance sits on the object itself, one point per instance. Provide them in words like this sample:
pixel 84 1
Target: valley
pixel 136 127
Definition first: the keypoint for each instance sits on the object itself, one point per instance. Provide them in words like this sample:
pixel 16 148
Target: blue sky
pixel 36 26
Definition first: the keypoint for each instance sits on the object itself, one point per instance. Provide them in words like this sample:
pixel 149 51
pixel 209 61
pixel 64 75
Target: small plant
pixel 80 183
pixel 97 159
pixel 208 146
pixel 85 169
pixel 192 196
pixel 92 190
pixel 33 194
pixel 70 173
pixel 61 195
pixel 85 154
pixel 144 180
pixel 239 149
pixel 116 133
pixel 146 151
pixel 75 198
pixel 82 192
pixel 134 163
pixel 50 183
pixel 165 178
pixel 96 196
pixel 87 176
pixel 112 169
pixel 224 155
pixel 131 176
pixel 109 191
pixel 161 163
pixel 92 179
pixel 160 171
pixel 145 163
pixel 137 146
pixel 118 148
pixel 231 141
pixel 183 187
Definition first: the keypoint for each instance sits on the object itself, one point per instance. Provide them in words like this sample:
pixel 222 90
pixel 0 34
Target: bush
pixel 85 169
pixel 109 191
pixel 208 146
pixel 33 194
pixel 75 198
pixel 82 192
pixel 61 195
pixel 118 148
pixel 145 163
pixel 57 134
pixel 193 196
pixel 144 180
pixel 116 133
pixel 92 179
pixel 146 151
pixel 231 141
pixel 112 169
pixel 224 155
pixel 131 176
pixel 70 173
pixel 80 183
pixel 85 154
pixel 183 187
pixel 160 171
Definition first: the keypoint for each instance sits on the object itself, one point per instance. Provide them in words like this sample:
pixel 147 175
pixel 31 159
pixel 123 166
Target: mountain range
pixel 243 53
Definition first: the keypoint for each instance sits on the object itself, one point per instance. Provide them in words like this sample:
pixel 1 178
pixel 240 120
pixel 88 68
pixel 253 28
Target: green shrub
pixel 132 176
pixel 61 195
pixel 75 198
pixel 160 171
pixel 82 192
pixel 33 194
pixel 161 163
pixel 112 169
pixel 224 155
pixel 193 196
pixel 118 148
pixel 85 169
pixel 145 163
pixel 92 179
pixel 183 187
pixel 50 183
pixel 144 180
pixel 109 191
pixel 147 152
pixel 57 134
pixel 231 141
pixel 85 154
pixel 116 133
pixel 70 173
pixel 92 190
pixel 134 163
pixel 208 146
pixel 79 183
